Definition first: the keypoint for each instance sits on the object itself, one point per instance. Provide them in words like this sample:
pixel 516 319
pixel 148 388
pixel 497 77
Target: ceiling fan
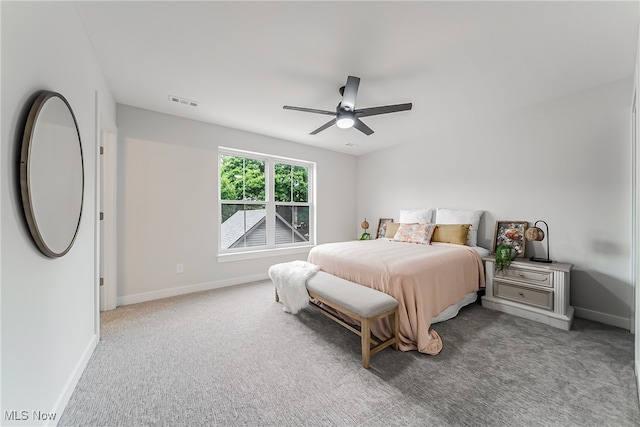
pixel 346 115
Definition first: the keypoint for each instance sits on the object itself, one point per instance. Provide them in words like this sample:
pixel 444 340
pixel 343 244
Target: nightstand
pixel 533 290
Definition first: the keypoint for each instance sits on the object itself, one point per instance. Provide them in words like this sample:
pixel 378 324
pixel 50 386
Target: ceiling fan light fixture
pixel 345 120
pixel 346 116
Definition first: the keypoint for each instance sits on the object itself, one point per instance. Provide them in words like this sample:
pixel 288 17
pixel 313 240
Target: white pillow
pixel 412 216
pixel 461 216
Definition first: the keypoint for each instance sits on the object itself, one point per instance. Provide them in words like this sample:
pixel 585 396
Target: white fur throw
pixel 290 280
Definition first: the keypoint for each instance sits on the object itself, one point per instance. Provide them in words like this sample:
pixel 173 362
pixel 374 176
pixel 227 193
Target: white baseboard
pixel 607 319
pixel 72 382
pixel 187 289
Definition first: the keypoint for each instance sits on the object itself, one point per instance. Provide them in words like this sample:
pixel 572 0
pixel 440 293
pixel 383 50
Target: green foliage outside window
pixel 244 179
pixel 290 183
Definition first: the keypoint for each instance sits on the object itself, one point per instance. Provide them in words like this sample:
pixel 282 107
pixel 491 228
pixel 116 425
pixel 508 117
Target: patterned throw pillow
pixel 415 233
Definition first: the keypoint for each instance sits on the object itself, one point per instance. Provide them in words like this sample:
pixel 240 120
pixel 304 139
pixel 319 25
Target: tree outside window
pixel 249 216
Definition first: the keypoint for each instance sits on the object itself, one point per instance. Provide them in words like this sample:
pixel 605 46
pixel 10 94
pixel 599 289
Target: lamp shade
pixel 534 234
pixel 537 235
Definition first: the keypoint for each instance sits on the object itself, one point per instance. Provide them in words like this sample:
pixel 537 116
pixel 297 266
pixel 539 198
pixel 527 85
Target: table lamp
pixel 365 227
pixel 537 235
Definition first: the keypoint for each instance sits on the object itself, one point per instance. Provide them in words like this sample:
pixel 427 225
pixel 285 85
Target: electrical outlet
pixel 180 268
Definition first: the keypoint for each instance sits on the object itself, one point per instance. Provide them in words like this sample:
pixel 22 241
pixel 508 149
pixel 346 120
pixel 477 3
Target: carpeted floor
pixel 233 357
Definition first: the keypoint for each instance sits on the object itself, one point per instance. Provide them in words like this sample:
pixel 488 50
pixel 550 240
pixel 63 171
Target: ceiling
pixel 455 61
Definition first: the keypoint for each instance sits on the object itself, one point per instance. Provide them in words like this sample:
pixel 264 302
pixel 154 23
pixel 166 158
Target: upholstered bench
pixel 359 302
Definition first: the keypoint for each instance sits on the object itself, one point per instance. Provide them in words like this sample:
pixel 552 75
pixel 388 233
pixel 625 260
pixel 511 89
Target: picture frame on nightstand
pixel 382 227
pixel 511 233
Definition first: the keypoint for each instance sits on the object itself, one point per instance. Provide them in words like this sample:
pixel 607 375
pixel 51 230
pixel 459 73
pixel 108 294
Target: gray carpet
pixel 233 357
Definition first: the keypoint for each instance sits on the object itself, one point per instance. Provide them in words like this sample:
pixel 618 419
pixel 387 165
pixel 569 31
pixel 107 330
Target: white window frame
pixel 270 249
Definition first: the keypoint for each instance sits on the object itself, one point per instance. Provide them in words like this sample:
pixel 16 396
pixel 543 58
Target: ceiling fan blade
pixel 324 126
pixel 359 124
pixel 350 93
pixel 310 110
pixel 374 111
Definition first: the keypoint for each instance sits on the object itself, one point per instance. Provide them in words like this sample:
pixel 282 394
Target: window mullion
pixel 291 183
pixel 270 202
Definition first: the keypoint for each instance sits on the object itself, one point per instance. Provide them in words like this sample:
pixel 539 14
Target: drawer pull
pixel 542 279
pixel 521 294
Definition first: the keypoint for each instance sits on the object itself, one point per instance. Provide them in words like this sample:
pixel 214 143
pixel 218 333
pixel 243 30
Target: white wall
pixel 167 203
pixel 48 306
pixel 566 161
pixel 636 212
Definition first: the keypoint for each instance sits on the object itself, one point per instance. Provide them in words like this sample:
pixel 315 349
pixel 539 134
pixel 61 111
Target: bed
pixel 426 279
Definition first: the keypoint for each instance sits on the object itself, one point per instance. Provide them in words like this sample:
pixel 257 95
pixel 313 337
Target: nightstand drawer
pixel 540 278
pixel 530 296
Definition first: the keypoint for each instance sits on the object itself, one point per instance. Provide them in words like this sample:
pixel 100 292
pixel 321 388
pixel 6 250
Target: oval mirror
pixel 52 174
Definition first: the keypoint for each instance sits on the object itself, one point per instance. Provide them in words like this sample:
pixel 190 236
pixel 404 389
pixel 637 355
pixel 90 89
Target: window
pixel 265 202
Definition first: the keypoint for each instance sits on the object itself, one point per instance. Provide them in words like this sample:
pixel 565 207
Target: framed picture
pixel 382 227
pixel 511 233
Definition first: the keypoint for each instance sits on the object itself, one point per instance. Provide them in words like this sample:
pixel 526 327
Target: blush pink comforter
pixel 425 279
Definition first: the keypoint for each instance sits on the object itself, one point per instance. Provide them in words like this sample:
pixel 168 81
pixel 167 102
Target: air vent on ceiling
pixel 183 101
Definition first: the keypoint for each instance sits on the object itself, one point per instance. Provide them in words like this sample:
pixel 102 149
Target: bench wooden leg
pixel 365 333
pixel 365 326
pixel 396 330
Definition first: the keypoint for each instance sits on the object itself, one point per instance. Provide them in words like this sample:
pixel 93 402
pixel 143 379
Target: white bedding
pixel 453 310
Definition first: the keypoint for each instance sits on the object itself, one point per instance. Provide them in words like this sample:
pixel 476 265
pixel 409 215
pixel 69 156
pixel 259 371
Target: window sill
pixel 240 256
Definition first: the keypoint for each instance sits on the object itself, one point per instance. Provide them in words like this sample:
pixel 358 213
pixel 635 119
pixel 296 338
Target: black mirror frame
pixel 26 192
